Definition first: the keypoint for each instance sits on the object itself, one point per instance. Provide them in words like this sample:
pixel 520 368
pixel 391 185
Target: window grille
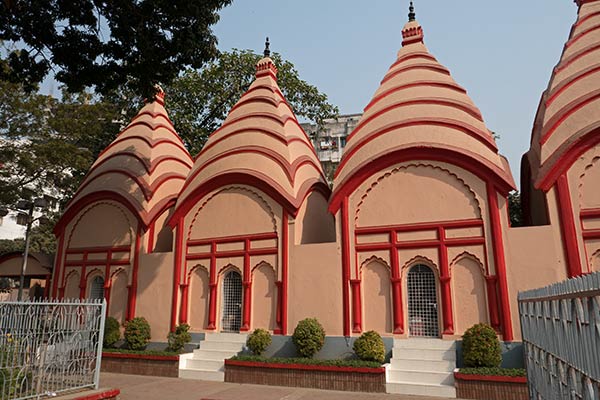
pixel 232 302
pixel 97 289
pixel 422 302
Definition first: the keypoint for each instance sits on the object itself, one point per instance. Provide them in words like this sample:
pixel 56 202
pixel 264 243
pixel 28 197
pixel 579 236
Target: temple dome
pixel 567 117
pixel 260 143
pixel 418 111
pixel 145 167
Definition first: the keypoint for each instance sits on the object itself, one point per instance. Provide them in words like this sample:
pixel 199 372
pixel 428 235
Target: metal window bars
pixel 232 302
pixel 561 337
pixel 422 302
pixel 49 347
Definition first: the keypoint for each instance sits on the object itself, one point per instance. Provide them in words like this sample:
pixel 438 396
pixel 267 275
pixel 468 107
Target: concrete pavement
pixel 136 387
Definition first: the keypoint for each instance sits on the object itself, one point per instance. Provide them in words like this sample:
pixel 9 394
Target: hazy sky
pixel 502 52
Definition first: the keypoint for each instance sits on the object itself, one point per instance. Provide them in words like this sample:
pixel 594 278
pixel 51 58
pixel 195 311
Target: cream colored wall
pixel 118 297
pixel 163 234
pixel 264 298
pixel 72 284
pixel 199 299
pixel 533 260
pixel 469 290
pixel 377 298
pixel 314 223
pixel 315 285
pixel 154 292
pixel 102 224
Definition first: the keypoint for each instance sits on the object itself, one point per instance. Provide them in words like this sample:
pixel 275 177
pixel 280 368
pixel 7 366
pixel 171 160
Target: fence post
pixel 100 344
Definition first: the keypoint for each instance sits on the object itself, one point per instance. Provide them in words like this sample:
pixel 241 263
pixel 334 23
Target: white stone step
pixel 200 354
pixel 203 375
pixel 436 344
pixel 226 337
pixel 208 365
pixel 423 377
pixel 423 364
pixel 424 354
pixel 421 390
pixel 224 346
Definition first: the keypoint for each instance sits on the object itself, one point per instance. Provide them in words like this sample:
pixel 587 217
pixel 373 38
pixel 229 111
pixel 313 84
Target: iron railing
pixel 561 337
pixel 49 347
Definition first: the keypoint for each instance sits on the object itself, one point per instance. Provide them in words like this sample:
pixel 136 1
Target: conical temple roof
pixel 261 144
pixel 567 117
pixel 145 167
pixel 418 112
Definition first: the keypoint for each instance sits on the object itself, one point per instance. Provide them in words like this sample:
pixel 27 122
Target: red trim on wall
pixel 177 271
pixel 305 367
pixel 570 81
pixel 445 283
pixel 492 295
pixel 500 261
pixel 183 314
pixel 575 56
pixel 398 315
pixel 247 287
pixel 212 306
pixel 424 151
pixel 490 378
pixel 58 264
pixel 285 239
pixel 427 66
pixel 356 306
pixel 567 223
pixel 134 276
pixel 345 267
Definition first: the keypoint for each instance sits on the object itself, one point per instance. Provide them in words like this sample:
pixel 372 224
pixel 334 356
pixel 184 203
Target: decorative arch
pixel 373 259
pixel 223 270
pixel 92 273
pixel 405 167
pixel 469 255
pixel 94 205
pixel 264 296
pixel 595 255
pixel 261 264
pixel 116 272
pixel 251 192
pixel 420 260
pixel 586 169
pixel 196 268
pixel 378 305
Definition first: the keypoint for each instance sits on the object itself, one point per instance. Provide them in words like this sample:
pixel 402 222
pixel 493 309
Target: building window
pixel 22 219
pixel 97 289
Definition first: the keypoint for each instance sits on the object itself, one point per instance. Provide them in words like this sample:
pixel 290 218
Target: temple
pixel 413 240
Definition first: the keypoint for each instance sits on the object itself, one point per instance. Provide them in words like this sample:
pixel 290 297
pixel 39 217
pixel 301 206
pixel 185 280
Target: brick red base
pixel 327 378
pixel 490 388
pixel 135 364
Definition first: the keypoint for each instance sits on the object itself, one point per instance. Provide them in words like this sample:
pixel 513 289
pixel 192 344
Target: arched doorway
pixel 422 302
pixel 232 302
pixel 97 288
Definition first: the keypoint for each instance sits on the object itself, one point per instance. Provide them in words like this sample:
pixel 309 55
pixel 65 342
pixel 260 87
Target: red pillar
pixel 179 259
pixel 567 223
pixel 500 261
pixel 82 279
pixel 445 283
pixel 345 267
pixel 247 284
pixel 58 265
pixel 212 302
pixel 183 314
pixel 134 276
pixel 492 294
pixel 396 286
pixel 284 271
pixel 356 306
pixel 279 330
pixel 107 287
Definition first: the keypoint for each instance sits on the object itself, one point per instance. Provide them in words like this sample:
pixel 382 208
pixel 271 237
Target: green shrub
pixel 481 347
pixel 369 347
pixel 308 337
pixel 308 361
pixel 179 338
pixel 258 341
pixel 112 332
pixel 137 333
pixel 494 371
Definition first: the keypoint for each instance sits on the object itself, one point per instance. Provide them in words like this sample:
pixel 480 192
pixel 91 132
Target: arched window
pixel 422 302
pixel 97 288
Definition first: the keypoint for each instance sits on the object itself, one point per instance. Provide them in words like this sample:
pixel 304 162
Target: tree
pixel 199 101
pixel 514 209
pixel 106 43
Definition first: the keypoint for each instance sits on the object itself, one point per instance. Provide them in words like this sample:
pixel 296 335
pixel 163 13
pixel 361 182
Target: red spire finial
pixel 412 31
pixel 266 66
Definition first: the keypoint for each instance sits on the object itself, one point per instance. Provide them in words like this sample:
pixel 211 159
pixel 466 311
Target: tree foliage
pixel 106 43
pixel 514 209
pixel 200 100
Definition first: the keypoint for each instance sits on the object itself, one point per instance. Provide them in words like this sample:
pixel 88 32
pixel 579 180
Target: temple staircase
pixel 208 361
pixel 422 367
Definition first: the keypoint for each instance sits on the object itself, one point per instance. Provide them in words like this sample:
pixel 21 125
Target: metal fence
pixel 49 347
pixel 561 337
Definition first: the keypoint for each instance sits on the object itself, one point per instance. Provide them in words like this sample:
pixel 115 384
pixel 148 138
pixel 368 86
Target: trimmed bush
pixel 308 337
pixel 112 333
pixel 137 333
pixel 308 361
pixel 258 341
pixel 179 338
pixel 481 347
pixel 512 372
pixel 369 347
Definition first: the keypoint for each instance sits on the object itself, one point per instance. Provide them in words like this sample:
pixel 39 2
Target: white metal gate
pixel 422 302
pixel 232 302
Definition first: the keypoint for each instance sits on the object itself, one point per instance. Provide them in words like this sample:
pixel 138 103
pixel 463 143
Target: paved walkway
pixel 136 387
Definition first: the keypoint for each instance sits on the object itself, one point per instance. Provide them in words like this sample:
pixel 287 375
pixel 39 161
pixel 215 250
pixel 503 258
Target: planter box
pixel 140 364
pixel 490 387
pixel 309 376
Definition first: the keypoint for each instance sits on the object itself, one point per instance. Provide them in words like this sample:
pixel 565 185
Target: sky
pixel 502 52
